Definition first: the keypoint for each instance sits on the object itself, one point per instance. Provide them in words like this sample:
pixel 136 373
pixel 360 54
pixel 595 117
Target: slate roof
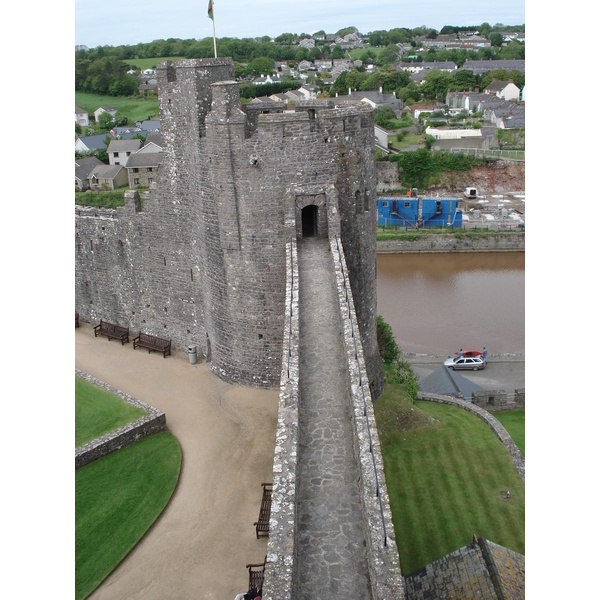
pixel 144 159
pixel 130 145
pixel 103 171
pixel 83 166
pixel 449 383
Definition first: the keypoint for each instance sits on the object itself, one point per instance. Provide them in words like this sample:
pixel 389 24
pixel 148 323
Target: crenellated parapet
pixel 201 259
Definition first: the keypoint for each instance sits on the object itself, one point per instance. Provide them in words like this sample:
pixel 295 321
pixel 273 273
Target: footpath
pixel 331 544
pixel 200 545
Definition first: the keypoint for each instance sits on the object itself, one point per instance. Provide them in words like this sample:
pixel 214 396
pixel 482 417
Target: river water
pixel 438 303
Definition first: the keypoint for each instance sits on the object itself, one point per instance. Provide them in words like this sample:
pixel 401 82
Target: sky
pixel 129 22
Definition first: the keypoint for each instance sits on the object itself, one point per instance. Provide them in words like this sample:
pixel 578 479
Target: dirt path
pixel 199 546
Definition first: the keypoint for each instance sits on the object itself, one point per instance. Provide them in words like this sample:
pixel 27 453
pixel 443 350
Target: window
pixel 115 155
pixel 407 205
pixel 135 169
pixel 150 180
pixel 384 204
pixel 128 154
pixel 149 169
pixel 136 181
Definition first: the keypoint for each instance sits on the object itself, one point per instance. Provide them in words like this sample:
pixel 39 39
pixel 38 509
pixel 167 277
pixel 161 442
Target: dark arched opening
pixel 309 221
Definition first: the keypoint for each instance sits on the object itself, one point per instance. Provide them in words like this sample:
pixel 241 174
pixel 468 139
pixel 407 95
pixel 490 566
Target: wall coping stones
pixel 488 418
pixel 382 552
pixel 280 569
pixel 153 422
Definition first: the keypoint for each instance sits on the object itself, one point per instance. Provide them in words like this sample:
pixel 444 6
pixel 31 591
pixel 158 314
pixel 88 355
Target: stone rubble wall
pixel 495 400
pixel 153 422
pixel 382 552
pixel 509 242
pixel 203 263
pixel 281 549
pixel 488 418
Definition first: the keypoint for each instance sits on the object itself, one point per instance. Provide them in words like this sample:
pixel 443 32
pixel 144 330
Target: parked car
pixel 475 363
pixel 470 353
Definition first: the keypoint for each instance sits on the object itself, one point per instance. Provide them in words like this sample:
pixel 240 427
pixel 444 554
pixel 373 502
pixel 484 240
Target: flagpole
pixel 214 38
pixel 211 16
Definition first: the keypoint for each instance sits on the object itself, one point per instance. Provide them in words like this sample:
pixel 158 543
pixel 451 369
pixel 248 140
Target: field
pixel 514 422
pixel 98 412
pixel 119 496
pixel 447 475
pixel 135 108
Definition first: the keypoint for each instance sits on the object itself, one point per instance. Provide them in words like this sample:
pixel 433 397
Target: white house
pixel 82 117
pixel 506 90
pixel 119 151
pixel 103 109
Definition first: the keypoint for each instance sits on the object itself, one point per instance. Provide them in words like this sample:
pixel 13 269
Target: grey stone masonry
pixel 505 242
pixel 331 540
pixel 153 422
pixel 382 550
pixel 281 549
pixel 488 418
pixel 481 569
pixel 203 261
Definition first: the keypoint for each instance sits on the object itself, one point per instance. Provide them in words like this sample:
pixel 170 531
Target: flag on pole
pixel 210 10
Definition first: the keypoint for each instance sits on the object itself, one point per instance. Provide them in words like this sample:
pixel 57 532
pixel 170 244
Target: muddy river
pixel 438 303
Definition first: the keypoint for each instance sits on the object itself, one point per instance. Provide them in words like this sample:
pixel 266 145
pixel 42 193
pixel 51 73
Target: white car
pixel 474 362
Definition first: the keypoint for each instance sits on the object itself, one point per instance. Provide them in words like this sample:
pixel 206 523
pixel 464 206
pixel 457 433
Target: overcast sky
pixel 128 22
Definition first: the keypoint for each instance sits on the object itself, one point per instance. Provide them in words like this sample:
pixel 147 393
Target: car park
pixel 464 362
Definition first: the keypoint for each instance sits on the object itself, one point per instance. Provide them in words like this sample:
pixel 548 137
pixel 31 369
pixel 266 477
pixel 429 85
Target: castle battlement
pixel 203 263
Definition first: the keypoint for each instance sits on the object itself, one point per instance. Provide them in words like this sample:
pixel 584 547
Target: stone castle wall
pixel 203 263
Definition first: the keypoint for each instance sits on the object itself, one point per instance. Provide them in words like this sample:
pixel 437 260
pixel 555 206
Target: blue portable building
pixel 412 211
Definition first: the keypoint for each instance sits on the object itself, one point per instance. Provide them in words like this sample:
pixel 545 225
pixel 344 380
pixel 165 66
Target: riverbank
pixel 454 242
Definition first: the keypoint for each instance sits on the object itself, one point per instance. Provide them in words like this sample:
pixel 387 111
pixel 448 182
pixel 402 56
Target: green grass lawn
pixel 446 473
pixel 135 108
pixel 97 412
pixel 514 422
pixel 117 498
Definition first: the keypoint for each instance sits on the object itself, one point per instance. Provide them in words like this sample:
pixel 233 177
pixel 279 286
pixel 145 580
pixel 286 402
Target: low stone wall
pixel 382 552
pixel 508 242
pixel 494 400
pixel 153 422
pixel 488 418
pixel 280 569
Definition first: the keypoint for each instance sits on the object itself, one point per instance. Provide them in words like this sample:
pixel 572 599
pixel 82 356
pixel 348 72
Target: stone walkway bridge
pixel 331 529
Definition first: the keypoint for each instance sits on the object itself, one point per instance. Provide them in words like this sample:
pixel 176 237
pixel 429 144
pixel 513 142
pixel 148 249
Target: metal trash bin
pixel 192 355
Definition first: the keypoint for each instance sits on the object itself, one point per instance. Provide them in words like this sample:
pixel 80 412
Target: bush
pixel 388 348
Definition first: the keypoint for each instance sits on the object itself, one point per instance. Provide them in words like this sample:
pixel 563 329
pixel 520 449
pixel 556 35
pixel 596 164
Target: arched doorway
pixel 310 221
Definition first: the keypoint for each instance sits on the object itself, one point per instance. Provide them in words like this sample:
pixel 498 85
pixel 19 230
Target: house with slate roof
pixel 83 167
pixel 107 177
pixel 119 151
pixel 142 168
pixel 82 117
pixel 506 90
pixel 102 109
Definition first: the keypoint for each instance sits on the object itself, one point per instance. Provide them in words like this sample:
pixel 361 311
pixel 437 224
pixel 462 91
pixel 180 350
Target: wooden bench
pixel 153 344
pixel 256 575
pixel 262 525
pixel 111 331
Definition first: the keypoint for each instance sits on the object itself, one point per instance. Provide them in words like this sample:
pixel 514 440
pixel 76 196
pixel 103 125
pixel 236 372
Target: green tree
pixel 496 39
pixel 389 55
pixel 106 121
pixel 388 347
pixel 436 84
pixel 261 66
